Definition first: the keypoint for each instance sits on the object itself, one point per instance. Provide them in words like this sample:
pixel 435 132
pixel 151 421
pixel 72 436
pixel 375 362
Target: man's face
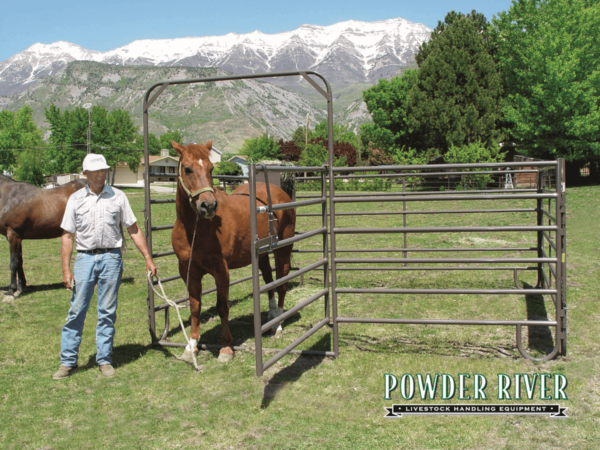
pixel 96 177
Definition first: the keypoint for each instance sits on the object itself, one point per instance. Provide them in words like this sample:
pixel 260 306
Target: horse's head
pixel 195 176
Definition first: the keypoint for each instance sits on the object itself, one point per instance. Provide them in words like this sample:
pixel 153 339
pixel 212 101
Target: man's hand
pixel 68 280
pixel 140 243
pixel 150 267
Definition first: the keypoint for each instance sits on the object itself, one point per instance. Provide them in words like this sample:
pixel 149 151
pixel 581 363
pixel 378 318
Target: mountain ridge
pixel 346 53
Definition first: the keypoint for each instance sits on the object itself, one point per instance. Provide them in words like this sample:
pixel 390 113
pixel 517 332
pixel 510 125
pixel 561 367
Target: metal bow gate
pixel 258 246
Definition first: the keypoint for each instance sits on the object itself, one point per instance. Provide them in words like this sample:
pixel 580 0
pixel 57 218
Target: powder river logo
pixel 471 387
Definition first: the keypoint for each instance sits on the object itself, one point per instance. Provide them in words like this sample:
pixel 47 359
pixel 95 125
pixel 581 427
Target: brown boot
pixel 64 372
pixel 107 370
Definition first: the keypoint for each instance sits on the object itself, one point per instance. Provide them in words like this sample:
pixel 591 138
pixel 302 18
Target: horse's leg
pixel 195 292
pixel 21 280
pixel 14 242
pixel 221 275
pixel 267 274
pixel 282 268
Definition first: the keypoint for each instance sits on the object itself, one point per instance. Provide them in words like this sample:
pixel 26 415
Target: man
pixel 96 214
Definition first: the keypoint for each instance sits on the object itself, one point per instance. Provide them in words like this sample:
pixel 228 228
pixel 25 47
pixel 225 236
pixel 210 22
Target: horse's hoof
pixel 8 298
pixel 226 355
pixel 277 333
pixel 188 356
pixel 18 294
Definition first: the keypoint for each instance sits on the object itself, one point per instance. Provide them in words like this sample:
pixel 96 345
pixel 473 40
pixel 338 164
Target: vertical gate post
pixel 561 264
pixel 540 234
pixel 325 241
pixel 334 312
pixel 148 220
pixel 404 215
pixel 255 271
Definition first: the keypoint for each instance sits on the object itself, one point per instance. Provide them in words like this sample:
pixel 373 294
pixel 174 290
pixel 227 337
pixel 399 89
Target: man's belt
pixel 97 251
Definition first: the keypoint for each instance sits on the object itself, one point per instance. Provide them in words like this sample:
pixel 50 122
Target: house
pixel 165 165
pixel 241 161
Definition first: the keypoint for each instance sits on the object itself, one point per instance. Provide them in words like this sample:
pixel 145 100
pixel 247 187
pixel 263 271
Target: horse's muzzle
pixel 207 209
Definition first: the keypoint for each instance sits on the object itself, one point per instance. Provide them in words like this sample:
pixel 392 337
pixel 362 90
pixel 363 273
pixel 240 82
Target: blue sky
pixel 107 24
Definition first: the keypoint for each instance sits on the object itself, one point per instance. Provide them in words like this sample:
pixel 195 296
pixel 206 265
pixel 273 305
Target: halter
pixel 192 194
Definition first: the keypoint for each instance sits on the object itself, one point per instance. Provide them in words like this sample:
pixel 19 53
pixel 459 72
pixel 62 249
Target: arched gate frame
pixel 550 260
pixel 259 246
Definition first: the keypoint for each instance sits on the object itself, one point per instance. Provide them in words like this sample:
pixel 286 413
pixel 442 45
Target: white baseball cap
pixel 93 162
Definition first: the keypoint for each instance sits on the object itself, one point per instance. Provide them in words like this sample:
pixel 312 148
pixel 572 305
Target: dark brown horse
pixel 29 212
pixel 222 238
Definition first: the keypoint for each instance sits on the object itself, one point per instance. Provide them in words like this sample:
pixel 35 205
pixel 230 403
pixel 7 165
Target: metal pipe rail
pixel 289 313
pixel 415 198
pixel 437 193
pixel 427 174
pixel 532 323
pixel 278 282
pixel 448 291
pixel 445 166
pixel 444 229
pixel 392 213
pixel 291 205
pixel 437 268
pixel 265 168
pixel 290 241
pixel 428 250
pixel 444 260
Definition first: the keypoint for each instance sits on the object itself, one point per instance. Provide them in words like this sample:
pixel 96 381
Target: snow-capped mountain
pixel 345 53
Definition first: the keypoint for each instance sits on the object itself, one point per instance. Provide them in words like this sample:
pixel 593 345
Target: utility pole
pixel 307 129
pixel 88 106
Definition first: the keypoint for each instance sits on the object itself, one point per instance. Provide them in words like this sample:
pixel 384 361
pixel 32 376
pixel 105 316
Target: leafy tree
pixel 166 138
pixel 17 131
pixel 227 168
pixel 548 53
pixel 475 152
pixel 261 148
pixel 30 166
pixel 121 136
pixel 341 133
pixel 387 102
pixel 153 144
pixel 113 134
pixel 456 97
pixel 317 155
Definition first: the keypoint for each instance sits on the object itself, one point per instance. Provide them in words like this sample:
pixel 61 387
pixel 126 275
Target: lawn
pixel 158 402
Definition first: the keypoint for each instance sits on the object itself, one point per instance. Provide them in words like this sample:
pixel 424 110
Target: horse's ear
pixel 178 148
pixel 208 145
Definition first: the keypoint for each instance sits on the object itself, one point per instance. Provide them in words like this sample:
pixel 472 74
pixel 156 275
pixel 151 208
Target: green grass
pixel 158 402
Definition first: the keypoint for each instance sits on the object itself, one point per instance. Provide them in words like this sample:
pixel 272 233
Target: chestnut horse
pixel 222 240
pixel 29 212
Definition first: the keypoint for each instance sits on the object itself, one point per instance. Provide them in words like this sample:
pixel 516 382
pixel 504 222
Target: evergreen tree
pixel 456 97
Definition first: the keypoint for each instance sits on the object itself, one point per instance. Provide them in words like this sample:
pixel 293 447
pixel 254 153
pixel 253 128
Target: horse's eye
pixel 188 171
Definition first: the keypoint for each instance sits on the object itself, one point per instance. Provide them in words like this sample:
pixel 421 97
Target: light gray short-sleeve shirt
pixel 96 218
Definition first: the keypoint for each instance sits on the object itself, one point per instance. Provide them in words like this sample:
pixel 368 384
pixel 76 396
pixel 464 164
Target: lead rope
pixel 171 303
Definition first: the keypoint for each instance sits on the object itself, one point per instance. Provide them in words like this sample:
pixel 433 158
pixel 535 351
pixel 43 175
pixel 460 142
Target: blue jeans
pixel 104 269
